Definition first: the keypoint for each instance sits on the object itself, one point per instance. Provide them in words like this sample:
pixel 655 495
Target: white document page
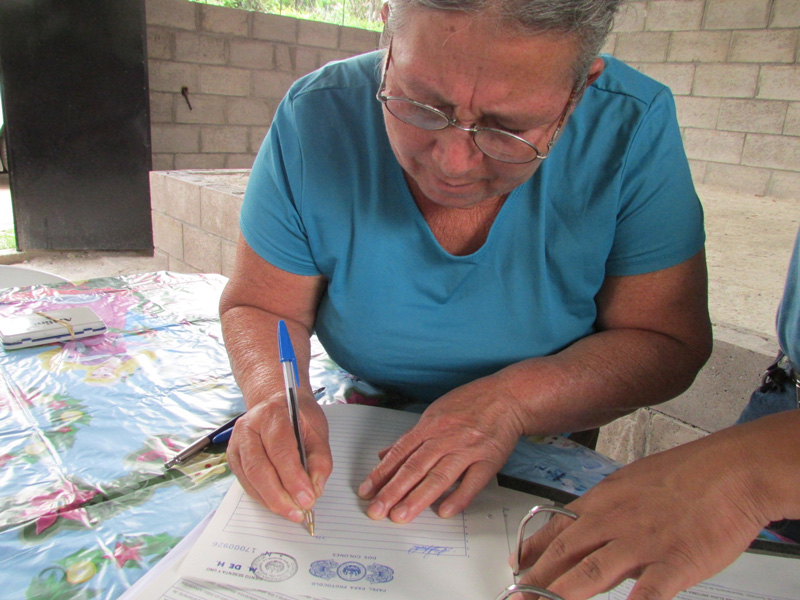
pixel 750 577
pixel 352 556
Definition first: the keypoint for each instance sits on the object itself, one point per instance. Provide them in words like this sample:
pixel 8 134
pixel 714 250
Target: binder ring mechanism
pixel 532 589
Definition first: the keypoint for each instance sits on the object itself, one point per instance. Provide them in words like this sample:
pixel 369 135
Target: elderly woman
pixel 486 217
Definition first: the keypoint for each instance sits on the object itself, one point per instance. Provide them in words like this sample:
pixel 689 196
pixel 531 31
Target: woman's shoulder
pixel 621 81
pixel 356 72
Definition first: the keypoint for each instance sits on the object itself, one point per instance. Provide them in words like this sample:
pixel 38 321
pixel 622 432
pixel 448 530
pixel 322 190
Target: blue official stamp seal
pixel 324 569
pixel 351 571
pixel 274 566
pixel 379 573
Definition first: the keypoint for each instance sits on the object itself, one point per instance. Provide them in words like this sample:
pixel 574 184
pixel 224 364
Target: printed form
pixel 351 556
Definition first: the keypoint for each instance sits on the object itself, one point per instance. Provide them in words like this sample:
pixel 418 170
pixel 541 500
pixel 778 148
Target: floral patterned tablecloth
pixel 86 506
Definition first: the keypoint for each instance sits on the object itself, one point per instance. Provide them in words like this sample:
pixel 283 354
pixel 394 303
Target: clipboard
pixel 559 498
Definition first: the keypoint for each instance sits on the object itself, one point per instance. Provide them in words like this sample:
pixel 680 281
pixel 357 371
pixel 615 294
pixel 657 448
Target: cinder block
pixel 227 81
pixel 220 212
pixel 716 146
pixel 168 76
pixel 252 54
pixel 736 14
pixel 727 80
pixel 205 109
pixel 174 138
pixel 792 124
pixel 666 433
pixel 159 43
pixel 206 160
pixel 625 439
pixel 646 46
pixel 785 184
pixel 202 250
pixel 163 162
pixel 699 46
pixel 701 113
pixel 157 184
pixel 161 107
pixel 677 77
pixel 358 41
pixel 326 56
pixel 283 55
pixel 224 139
pixel 257 135
pixel 759 116
pixel 182 199
pixel 698 169
pixel 772 151
pixel 313 33
pixel 631 17
pixel 228 258
pixel 171 13
pixel 674 15
pixel 785 13
pixel 779 82
pixel 306 60
pixel 219 19
pixel 240 161
pixel 271 84
pixel 275 28
pixel 248 111
pixel 204 48
pixel 167 235
pixel 610 44
pixel 747 180
pixel 769 46
pixel 180 267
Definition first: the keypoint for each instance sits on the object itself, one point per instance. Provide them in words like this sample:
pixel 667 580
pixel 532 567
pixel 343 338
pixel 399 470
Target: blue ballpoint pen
pixel 291 378
pixel 220 434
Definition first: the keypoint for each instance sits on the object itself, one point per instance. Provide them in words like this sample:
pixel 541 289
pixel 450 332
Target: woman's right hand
pixel 263 454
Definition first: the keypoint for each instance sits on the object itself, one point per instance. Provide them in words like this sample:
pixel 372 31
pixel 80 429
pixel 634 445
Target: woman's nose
pixel 455 152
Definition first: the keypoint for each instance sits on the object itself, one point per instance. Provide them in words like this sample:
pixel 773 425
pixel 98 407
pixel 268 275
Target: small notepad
pixel 48 326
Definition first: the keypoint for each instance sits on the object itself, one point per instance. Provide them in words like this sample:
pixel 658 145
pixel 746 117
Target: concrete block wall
pixel 734 67
pixel 217 75
pixel 196 218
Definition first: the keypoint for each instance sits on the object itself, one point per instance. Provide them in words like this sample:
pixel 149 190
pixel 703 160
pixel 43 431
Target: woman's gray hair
pixel 590 21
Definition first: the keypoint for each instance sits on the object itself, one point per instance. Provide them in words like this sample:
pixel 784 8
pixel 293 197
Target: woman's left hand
pixel 466 434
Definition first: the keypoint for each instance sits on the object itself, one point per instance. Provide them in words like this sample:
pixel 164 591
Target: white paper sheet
pixel 352 556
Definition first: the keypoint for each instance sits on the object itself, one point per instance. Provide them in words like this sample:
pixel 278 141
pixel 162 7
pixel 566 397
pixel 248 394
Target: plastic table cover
pixel 86 506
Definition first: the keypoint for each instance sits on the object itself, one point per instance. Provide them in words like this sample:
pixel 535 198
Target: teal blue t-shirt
pixel 327 196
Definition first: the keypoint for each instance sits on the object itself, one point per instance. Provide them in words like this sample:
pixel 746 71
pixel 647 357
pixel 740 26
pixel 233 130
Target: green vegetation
pixel 8 240
pixel 364 14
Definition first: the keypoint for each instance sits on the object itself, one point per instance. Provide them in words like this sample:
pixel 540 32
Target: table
pixel 86 506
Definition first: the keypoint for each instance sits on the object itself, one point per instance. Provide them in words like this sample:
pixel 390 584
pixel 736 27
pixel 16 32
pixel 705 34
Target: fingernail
pixel 297 516
pixel 399 514
pixel 365 489
pixel 376 510
pixel 304 499
pixel 446 511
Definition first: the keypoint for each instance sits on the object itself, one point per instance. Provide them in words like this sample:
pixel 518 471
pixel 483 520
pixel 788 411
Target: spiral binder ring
pixel 521 536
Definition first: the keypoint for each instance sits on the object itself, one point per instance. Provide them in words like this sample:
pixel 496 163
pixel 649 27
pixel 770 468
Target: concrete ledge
pixel 196 217
pixel 713 402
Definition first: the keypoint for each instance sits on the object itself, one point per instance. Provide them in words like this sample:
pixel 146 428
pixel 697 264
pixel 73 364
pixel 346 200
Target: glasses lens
pixel 504 147
pixel 415 114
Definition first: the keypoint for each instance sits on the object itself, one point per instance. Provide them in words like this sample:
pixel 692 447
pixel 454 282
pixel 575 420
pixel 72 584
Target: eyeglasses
pixel 496 143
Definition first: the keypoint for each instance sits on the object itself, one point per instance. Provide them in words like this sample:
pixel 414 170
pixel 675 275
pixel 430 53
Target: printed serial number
pixel 236 547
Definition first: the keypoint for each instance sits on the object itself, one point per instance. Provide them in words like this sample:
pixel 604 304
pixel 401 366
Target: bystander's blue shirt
pixel 788 320
pixel 327 196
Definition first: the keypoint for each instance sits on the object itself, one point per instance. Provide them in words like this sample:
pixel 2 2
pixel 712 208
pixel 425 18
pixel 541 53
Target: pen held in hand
pixel 291 378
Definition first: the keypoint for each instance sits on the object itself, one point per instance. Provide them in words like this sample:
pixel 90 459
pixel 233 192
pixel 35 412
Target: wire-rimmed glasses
pixel 495 143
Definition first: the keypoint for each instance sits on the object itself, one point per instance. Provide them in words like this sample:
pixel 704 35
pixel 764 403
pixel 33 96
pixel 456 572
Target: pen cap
pixel 286 349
